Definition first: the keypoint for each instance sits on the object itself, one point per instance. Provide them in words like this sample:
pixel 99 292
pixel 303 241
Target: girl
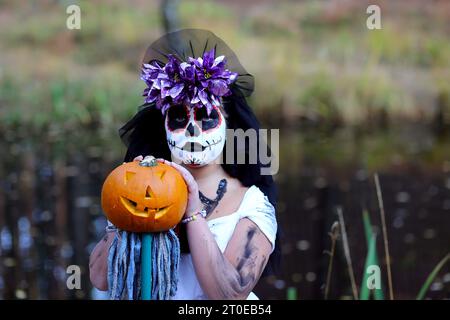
pixel 196 91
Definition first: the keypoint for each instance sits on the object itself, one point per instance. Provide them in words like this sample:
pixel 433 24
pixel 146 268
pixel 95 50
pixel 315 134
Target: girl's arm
pixel 233 274
pixel 98 262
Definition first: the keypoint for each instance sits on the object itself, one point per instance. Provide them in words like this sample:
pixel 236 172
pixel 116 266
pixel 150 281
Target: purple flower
pixel 200 82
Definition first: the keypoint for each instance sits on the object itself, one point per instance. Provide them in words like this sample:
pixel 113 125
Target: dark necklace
pixel 210 204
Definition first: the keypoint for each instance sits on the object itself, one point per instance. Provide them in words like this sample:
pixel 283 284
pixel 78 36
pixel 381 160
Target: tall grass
pixel 371 256
pixel 347 254
pixel 334 235
pixel 431 277
pixel 371 260
pixel 385 236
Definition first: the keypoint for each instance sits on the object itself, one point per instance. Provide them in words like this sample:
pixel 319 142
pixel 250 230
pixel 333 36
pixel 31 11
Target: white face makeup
pixel 194 137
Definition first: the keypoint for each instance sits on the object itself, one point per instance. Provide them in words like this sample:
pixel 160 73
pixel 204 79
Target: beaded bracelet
pixel 194 216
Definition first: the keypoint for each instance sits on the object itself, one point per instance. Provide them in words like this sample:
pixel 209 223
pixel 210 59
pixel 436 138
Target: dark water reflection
pixel 50 215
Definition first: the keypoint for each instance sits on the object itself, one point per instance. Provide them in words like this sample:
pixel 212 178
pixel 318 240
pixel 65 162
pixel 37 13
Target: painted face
pixel 194 137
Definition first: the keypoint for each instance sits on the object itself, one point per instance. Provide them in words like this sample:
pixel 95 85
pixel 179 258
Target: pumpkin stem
pixel 149 161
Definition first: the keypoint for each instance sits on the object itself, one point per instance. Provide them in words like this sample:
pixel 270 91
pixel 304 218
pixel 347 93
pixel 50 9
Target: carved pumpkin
pixel 144 196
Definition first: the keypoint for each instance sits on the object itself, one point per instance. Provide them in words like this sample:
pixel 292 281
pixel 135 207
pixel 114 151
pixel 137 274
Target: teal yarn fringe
pixel 124 263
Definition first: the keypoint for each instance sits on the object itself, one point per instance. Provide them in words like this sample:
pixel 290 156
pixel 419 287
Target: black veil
pixel 145 134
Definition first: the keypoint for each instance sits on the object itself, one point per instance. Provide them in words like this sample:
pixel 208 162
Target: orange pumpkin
pixel 146 196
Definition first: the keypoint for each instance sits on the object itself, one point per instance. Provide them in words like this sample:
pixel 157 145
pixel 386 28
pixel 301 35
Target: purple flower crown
pixel 200 82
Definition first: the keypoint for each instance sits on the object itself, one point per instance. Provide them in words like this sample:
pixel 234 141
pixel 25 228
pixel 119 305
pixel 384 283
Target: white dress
pixel 254 206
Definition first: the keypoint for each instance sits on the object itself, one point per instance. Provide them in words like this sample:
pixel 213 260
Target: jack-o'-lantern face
pixel 144 198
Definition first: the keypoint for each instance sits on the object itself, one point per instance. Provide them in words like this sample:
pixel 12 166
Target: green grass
pixel 423 291
pixel 371 260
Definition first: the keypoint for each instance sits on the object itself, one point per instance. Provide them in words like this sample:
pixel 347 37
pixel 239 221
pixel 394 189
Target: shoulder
pixel 257 207
pixel 255 199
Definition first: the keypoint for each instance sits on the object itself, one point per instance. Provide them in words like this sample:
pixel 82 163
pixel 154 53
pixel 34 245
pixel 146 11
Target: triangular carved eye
pixel 148 193
pixel 161 174
pixel 128 176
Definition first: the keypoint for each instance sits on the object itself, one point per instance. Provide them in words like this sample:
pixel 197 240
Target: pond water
pixel 50 214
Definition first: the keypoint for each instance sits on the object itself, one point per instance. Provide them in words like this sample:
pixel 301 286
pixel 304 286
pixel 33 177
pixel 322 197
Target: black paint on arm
pixel 237 271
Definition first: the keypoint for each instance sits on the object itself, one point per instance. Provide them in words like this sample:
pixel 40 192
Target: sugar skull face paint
pixel 194 137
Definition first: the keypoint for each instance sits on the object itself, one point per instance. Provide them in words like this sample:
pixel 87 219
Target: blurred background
pixel 349 102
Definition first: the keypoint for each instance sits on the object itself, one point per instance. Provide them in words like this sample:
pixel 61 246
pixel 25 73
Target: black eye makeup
pixel 177 117
pixel 208 121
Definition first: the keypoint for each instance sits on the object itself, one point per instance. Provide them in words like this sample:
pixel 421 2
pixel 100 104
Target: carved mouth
pixel 145 212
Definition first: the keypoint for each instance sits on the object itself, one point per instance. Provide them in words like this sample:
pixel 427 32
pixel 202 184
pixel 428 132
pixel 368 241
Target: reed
pixel 334 235
pixel 348 257
pixel 385 236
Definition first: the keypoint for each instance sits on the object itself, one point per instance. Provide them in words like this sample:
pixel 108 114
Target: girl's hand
pixel 194 203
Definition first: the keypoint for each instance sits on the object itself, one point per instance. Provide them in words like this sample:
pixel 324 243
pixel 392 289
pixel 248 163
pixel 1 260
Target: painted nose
pixel 192 130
